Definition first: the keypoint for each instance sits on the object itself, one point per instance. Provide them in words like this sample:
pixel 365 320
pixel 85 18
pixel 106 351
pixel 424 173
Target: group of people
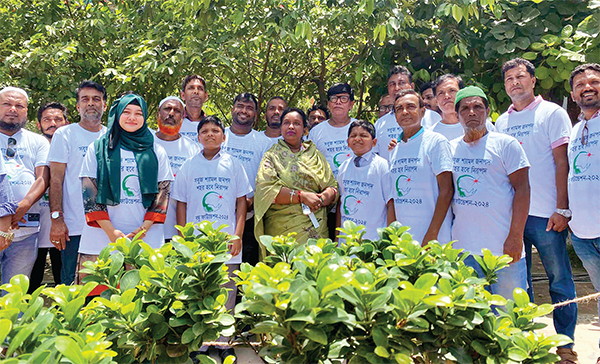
pixel 433 161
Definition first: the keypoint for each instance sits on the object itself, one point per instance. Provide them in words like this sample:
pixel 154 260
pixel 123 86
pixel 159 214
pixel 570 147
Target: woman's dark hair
pixel 295 109
pixel 363 124
pixel 211 119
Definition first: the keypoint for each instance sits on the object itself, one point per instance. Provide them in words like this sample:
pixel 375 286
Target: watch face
pixel 55 214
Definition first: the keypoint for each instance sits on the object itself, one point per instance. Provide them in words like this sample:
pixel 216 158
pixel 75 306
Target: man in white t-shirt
pixel 25 158
pixel 67 151
pixel 428 96
pixel 194 94
pixel 543 129
pixel 421 168
pixel 385 105
pixel 179 148
pixel 491 196
pixel 399 78
pixel 331 136
pixel 51 116
pixel 248 146
pixel 584 175
pixel 275 107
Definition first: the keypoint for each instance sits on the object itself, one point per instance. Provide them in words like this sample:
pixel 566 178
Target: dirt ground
pixel 587 332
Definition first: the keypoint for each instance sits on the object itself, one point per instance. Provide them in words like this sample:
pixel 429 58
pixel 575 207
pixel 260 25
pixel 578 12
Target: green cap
pixel 468 92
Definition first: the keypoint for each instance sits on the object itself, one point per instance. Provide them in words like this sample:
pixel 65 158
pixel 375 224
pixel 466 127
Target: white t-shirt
pixel 414 166
pixel 272 141
pixel 248 149
pixel 333 143
pixel 45 222
pixel 190 129
pixel 69 145
pixel 539 129
pixel 364 193
pixel 178 151
pixel 584 180
pixel 129 214
pixel 387 128
pixel 31 152
pixel 453 131
pixel 210 189
pixel 483 194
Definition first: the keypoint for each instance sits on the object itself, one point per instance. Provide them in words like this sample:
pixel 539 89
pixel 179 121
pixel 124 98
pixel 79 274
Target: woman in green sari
pixel 293 173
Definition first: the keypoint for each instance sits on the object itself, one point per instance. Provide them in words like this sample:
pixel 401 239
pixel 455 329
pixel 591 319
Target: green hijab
pixel 108 155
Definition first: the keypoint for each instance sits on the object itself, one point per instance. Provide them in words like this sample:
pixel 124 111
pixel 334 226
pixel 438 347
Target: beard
pixel 591 104
pixel 169 126
pixel 12 127
pixel 274 124
pixel 472 136
pixel 237 120
pixel 91 114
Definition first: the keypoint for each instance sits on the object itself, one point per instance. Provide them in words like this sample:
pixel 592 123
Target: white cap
pixel 15 89
pixel 160 104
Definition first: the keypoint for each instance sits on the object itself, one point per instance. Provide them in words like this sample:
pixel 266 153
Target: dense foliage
pixel 386 301
pixel 294 48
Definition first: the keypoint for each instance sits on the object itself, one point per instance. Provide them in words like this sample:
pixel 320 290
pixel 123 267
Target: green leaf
pixel 382 352
pixel 517 354
pixel 522 42
pixel 380 337
pixel 5 327
pixel 183 250
pixel 426 281
pixel 521 297
pixel 188 336
pixel 567 31
pixel 130 280
pixel 317 335
pixel 116 263
pixel 69 348
pixel 530 56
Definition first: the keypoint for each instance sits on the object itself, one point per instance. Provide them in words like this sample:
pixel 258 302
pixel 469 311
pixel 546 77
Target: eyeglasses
pixel 343 99
pixel 386 108
pixel 585 133
pixel 10 149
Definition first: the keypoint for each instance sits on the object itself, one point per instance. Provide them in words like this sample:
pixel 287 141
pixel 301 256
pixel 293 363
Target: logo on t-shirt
pixel 403 185
pixel 212 201
pixel 351 205
pixel 466 185
pixel 582 163
pixel 127 187
pixel 337 161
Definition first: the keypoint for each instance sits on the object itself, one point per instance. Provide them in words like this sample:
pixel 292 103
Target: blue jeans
pixel 19 258
pixel 552 248
pixel 509 278
pixel 588 251
pixel 69 260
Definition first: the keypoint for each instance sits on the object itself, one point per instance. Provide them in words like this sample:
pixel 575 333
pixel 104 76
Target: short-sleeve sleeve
pixel 242 183
pixel 60 149
pixel 558 127
pixel 387 181
pixel 41 157
pixel 164 167
pixel 341 173
pixel 513 156
pixel 89 168
pixel 440 155
pixel 179 191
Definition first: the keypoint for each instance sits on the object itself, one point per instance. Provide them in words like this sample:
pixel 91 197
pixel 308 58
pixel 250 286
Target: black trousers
pixel 37 273
pixel 250 249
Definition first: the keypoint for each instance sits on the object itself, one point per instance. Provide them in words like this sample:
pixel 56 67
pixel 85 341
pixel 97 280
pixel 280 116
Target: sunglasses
pixel 10 149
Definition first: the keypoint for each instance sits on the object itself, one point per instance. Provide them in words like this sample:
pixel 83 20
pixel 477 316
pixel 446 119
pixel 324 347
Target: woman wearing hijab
pixel 126 179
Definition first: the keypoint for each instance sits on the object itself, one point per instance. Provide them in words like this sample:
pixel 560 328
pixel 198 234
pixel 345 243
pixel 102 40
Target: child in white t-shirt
pixel 365 183
pixel 212 186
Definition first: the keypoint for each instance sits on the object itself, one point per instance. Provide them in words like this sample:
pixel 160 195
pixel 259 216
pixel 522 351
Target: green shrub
pixel 385 301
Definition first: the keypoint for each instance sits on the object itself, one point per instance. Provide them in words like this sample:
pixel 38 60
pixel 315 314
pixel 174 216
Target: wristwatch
pixel 8 236
pixel 564 212
pixel 55 214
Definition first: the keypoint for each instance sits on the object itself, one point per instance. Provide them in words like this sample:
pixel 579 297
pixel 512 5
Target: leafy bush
pixel 169 300
pixel 67 332
pixel 385 301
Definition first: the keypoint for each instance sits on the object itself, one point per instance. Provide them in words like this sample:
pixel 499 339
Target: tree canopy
pixel 292 48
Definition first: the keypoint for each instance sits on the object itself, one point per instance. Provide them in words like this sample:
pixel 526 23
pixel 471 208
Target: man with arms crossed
pixel 543 129
pixel 584 174
pixel 67 151
pixel 491 195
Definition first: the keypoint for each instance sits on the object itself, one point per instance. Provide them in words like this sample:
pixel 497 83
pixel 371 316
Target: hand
pixel 4 243
pixel 115 234
pixel 235 247
pixel 249 203
pixel 22 208
pixel 311 200
pixel 513 246
pixel 132 234
pixel 392 144
pixel 557 222
pixel 428 237
pixel 59 234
